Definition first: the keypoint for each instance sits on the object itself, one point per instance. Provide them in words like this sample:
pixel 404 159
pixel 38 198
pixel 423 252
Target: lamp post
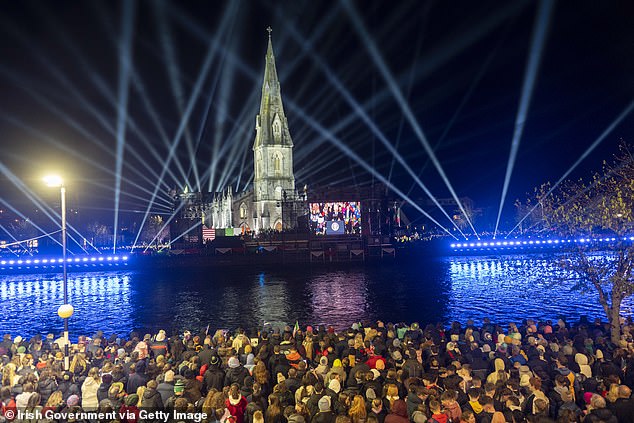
pixel 65 311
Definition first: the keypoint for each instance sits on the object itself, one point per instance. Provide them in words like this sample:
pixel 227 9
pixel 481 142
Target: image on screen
pixel 337 218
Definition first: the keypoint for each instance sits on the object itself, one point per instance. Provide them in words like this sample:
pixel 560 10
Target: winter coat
pixel 68 388
pixel 213 378
pixel 235 375
pixel 192 390
pixel 135 380
pixel 46 387
pixel 453 411
pixel 89 390
pixel 323 417
pixel 166 390
pixel 152 400
pixel 102 392
pixel 601 415
pixel 398 414
pixel 237 410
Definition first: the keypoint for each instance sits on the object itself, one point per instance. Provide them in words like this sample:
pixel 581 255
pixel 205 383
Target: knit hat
pixel 169 376
pixel 335 386
pixel 72 401
pixel 21 349
pixel 233 362
pixel 324 403
pixel 17 339
pixel 179 387
pixel 214 361
pixel 160 337
pixel 370 394
pixel 337 363
pixel 131 399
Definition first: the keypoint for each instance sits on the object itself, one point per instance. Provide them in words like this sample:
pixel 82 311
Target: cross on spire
pixel 269 30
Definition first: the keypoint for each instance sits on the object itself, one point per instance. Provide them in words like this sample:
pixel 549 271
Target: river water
pixel 506 288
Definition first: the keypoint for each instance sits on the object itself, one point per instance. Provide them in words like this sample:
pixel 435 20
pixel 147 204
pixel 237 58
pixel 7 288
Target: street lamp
pixel 65 310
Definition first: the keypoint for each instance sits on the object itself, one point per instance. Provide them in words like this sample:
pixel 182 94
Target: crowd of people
pixel 371 373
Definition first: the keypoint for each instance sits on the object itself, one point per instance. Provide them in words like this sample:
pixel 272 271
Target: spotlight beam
pixel 204 71
pixel 167 45
pixel 346 150
pixel 194 226
pixel 65 148
pixel 396 92
pixel 28 86
pixel 540 31
pixel 48 211
pixel 465 99
pixel 125 65
pixel 138 85
pixel 16 240
pixel 227 69
pixel 410 83
pixel 581 158
pixel 341 89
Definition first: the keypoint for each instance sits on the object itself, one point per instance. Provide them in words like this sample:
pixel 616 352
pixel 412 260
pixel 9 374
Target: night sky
pixel 459 65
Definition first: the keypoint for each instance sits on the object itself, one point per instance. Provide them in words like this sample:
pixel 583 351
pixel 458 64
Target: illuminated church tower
pixel 273 152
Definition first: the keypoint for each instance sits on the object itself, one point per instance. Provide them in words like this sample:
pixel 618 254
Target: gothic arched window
pixel 277 164
pixel 277 129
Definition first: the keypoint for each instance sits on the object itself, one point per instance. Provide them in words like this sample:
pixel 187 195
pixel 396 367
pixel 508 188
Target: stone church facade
pixel 261 208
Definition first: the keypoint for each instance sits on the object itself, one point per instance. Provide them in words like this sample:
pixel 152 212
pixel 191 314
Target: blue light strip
pixel 72 262
pixel 494 244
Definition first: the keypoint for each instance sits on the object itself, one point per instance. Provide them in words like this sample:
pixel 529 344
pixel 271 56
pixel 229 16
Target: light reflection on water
pixel 428 290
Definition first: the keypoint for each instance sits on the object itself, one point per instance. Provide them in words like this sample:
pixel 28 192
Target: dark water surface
pixel 429 290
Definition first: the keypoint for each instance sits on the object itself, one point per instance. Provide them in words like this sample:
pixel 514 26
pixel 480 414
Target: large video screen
pixel 339 218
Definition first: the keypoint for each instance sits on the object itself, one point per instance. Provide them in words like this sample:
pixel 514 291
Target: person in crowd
pixel 529 372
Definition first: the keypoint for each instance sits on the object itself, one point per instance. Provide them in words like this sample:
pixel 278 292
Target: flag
pixel 209 234
pixel 296 328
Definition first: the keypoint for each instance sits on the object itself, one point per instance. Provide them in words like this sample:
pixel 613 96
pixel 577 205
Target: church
pixel 272 203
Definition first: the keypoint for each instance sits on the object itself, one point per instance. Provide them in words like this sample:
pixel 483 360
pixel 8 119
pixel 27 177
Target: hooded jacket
pixel 213 378
pixel 152 400
pixel 68 388
pixel 138 378
pixel 235 375
pixel 89 390
pixel 398 414
pixel 102 391
pixel 166 389
pixel 46 387
pixel 453 411
pixel 237 408
pixel 440 418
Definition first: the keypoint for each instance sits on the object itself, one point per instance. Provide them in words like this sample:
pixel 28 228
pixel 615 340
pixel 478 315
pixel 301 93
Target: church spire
pixel 271 125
